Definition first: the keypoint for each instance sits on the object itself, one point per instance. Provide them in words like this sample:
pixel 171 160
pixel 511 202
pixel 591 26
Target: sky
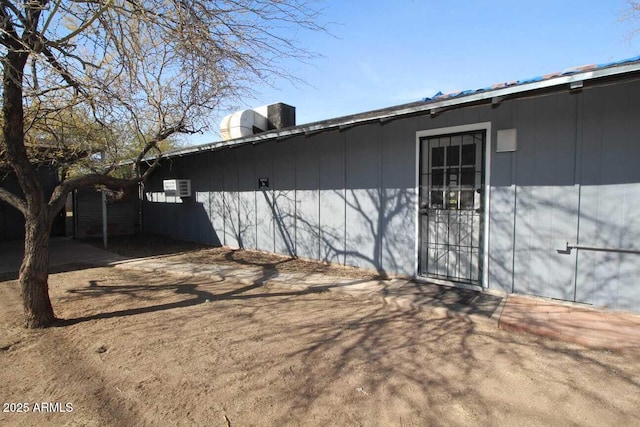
pixel 382 53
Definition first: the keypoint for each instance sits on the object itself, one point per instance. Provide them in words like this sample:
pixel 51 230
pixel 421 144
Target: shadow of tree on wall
pixel 543 225
pixel 368 228
pixel 188 220
pixel 361 231
pixel 281 217
pixel 566 141
pixel 235 213
pixel 307 212
pixel 366 237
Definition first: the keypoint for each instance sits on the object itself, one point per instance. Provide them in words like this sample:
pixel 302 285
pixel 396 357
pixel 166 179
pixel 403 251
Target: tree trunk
pixel 34 272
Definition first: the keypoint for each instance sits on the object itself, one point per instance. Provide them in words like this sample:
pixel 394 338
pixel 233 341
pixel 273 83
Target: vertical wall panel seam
pixel 255 198
pixel 577 180
pixel 346 173
pixel 194 196
pixel 514 178
pixel 514 175
pixel 239 224
pixel 210 198
pixel 295 197
pixel 380 237
pixel 273 200
pixel 224 207
pixel 225 202
pixel 319 204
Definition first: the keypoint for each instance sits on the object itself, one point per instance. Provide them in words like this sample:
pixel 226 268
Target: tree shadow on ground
pixel 423 364
pixel 63 268
pixel 199 296
pixel 342 359
pixel 268 263
pixel 145 244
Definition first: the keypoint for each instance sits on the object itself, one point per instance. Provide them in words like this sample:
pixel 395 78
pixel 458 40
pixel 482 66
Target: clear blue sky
pixel 384 53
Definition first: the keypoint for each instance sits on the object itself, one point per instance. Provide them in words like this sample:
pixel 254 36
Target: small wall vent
pixel 177 187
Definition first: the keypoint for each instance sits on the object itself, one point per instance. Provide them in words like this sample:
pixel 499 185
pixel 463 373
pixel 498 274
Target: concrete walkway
pixel 598 328
pixel 591 327
pixel 62 251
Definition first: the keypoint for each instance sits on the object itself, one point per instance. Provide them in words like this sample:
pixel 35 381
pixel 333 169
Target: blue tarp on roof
pixel 440 96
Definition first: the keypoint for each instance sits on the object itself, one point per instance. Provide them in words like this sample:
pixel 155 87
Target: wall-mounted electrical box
pixel 177 187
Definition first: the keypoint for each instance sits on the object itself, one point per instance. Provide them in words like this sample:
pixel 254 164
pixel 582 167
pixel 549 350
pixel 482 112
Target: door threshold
pixel 450 283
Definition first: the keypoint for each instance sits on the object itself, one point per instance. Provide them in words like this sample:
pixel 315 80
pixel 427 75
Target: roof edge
pixel 433 105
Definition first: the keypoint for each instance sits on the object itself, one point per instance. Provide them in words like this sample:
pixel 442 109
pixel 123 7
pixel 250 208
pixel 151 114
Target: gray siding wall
pixel 11 219
pixel 324 202
pixel 574 178
pixel 121 215
pixel 11 222
pixel 609 170
pixel 348 196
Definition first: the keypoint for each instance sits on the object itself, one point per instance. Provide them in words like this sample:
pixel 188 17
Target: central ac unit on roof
pixel 177 187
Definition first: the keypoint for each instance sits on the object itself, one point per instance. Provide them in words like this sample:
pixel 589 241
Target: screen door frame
pixel 484 258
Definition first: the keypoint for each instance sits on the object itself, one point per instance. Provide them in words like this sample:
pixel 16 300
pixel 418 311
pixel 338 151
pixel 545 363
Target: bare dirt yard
pixel 151 245
pixel 144 349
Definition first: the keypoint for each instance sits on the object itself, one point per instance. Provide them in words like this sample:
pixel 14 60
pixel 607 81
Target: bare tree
pixel 631 13
pixel 73 71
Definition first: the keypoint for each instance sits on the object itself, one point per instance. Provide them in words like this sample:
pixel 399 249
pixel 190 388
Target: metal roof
pixel 574 77
pixel 550 76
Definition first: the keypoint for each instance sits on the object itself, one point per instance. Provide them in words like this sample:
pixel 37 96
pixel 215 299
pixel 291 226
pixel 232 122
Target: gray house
pixel 528 187
pixel 11 219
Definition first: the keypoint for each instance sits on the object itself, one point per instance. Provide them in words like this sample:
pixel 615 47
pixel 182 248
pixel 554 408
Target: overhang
pixel 573 79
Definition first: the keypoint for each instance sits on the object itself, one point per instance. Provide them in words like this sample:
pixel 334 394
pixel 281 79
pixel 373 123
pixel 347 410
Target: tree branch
pixel 86 24
pixel 59 196
pixel 64 73
pixel 13 200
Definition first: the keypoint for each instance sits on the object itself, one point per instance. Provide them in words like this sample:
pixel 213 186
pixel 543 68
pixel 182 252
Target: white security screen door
pixel 451 179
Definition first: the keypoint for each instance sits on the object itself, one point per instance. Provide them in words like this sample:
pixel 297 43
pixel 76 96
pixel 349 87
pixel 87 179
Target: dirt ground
pixel 140 349
pixel 147 245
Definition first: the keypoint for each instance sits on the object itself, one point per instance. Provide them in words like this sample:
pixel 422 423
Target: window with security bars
pixel 453 173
